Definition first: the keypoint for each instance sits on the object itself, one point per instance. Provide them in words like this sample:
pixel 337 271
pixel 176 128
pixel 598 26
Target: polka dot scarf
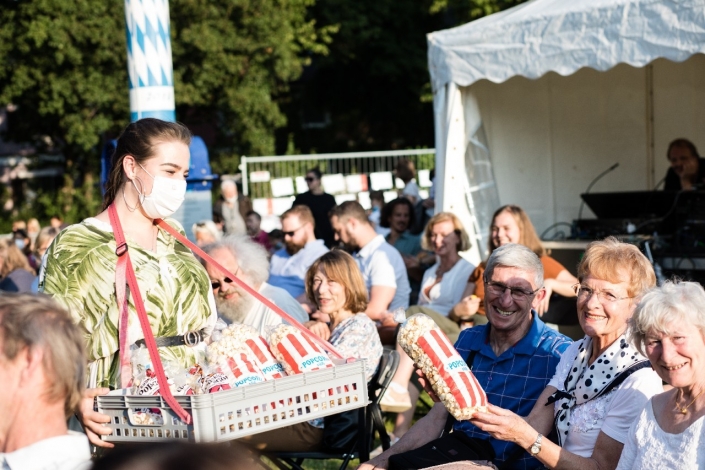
pixel 585 382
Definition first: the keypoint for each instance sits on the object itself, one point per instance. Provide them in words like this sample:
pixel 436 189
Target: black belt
pixel 191 338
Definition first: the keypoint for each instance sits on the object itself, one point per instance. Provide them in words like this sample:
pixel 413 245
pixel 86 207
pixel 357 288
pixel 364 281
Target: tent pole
pixel 649 118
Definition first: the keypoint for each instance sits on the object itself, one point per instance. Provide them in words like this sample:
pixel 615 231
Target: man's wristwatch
pixel 536 446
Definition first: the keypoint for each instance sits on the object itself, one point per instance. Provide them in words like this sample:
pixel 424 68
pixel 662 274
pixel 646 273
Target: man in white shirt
pixel 42 367
pixel 247 260
pixel 288 266
pixel 381 264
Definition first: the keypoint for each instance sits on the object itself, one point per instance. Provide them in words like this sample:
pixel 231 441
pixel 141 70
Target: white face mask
pixel 166 197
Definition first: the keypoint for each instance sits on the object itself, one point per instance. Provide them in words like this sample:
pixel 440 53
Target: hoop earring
pixel 131 209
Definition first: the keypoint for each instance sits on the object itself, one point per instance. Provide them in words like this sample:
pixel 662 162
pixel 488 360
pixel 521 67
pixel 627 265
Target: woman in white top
pixel 669 326
pixel 441 287
pixel 602 382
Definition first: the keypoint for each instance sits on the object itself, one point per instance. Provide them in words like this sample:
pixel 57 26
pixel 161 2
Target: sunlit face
pixel 683 162
pixel 10 377
pixel 170 160
pixel 504 311
pixel 204 238
pixel 399 220
pixel 343 231
pixel 329 294
pixel 607 317
pixel 231 301
pixel 679 356
pixel 294 234
pixel 505 229
pixel 444 239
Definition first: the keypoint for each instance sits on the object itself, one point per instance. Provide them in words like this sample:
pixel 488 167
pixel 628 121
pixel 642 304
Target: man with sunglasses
pixel 513 358
pixel 247 260
pixel 288 266
pixel 320 204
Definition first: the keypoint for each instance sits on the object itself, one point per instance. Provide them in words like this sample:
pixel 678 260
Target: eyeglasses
pixel 217 284
pixel 310 179
pixel 291 234
pixel 517 293
pixel 584 293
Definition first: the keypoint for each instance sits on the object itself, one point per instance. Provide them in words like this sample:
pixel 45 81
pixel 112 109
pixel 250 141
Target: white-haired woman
pixel 669 327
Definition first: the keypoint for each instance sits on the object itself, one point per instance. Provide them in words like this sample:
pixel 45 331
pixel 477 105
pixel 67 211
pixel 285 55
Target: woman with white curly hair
pixel 669 327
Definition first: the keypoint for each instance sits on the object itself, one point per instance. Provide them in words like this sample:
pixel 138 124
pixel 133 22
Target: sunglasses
pixel 217 284
pixel 291 234
pixel 310 179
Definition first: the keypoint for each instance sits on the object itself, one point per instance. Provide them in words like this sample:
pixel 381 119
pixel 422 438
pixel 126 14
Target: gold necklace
pixel 684 409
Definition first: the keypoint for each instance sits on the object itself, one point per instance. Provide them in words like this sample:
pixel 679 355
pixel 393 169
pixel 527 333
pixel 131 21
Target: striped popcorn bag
pixel 447 372
pixel 263 357
pixel 296 352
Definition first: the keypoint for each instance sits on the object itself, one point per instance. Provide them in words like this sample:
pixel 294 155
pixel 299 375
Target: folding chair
pixel 370 420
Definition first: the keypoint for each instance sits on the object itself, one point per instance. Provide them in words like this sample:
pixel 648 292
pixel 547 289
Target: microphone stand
pixel 582 203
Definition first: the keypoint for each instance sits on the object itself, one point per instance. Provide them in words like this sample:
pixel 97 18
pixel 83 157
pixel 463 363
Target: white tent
pixel 532 103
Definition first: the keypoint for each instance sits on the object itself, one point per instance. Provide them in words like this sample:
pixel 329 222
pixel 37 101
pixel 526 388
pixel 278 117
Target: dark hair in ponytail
pixel 138 140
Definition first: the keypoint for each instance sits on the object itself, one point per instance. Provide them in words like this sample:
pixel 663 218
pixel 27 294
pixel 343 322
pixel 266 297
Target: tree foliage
pixel 63 64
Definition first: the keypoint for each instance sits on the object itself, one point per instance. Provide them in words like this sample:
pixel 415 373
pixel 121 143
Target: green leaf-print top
pixel 79 271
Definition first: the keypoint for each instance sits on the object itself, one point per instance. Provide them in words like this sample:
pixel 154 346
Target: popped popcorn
pixel 296 352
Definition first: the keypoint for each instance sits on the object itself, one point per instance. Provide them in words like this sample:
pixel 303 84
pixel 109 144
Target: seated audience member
pixel 334 284
pixel 512 358
pixel 510 224
pixel 441 288
pixel 375 212
pixel 687 168
pixel 288 266
pixel 253 222
pixel 206 232
pixel 276 240
pixel 602 382
pixel 669 327
pixel 19 225
pixel 43 364
pixel 44 239
pixel 380 263
pixel 248 261
pixel 57 221
pixel 16 275
pixel 398 216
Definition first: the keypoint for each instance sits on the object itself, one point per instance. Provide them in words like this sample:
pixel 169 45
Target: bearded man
pixel 247 260
pixel 289 265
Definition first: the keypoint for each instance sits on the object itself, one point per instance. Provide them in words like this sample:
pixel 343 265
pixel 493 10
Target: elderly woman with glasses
pixel 669 327
pixel 602 382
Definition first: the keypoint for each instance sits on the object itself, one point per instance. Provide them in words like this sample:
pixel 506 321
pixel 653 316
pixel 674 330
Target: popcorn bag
pixel 244 371
pixel 264 358
pixel 296 352
pixel 447 372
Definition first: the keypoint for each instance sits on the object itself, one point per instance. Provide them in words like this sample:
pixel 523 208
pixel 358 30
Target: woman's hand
pixel 91 419
pixel 506 426
pixel 319 329
pixel 466 308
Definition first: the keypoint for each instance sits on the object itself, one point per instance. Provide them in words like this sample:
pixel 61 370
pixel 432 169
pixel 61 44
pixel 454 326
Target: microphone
pixel 582 203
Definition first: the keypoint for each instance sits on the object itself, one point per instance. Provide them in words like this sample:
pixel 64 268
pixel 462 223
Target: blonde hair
pixel 37 321
pixel 12 258
pixel 610 260
pixel 464 240
pixel 339 266
pixel 527 232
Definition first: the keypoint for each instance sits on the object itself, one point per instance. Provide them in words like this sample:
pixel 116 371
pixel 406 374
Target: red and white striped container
pixel 296 352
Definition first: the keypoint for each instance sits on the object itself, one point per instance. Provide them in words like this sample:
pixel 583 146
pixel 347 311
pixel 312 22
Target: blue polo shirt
pixel 513 380
pixel 289 272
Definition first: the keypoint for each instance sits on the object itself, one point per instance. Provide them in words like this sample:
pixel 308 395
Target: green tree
pixel 63 64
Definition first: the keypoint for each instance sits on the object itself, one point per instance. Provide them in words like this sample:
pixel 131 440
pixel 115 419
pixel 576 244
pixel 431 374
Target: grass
pixel 422 407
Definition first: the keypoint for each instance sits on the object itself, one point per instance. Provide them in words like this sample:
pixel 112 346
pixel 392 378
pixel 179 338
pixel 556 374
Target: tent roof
pixel 563 36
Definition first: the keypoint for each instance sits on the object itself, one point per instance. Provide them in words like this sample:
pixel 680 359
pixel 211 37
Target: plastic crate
pixel 239 412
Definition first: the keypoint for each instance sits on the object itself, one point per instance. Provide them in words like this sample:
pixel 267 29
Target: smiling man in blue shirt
pixel 513 357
